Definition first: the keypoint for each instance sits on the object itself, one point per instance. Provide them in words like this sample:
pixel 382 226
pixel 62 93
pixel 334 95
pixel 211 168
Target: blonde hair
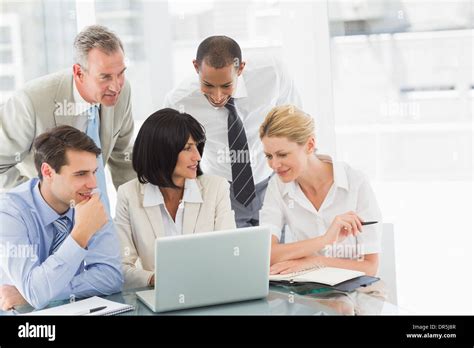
pixel 290 122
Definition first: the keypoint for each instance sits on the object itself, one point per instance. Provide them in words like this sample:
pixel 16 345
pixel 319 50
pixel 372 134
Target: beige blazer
pixel 43 104
pixel 139 226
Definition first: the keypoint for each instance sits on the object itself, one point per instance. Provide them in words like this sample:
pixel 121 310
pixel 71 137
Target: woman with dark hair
pixel 171 196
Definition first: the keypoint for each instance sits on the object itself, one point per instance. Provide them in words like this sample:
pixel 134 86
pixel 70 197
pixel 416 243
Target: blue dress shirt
pixel 26 235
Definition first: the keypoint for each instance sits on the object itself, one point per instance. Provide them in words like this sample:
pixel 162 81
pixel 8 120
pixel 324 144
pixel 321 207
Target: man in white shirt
pixel 231 99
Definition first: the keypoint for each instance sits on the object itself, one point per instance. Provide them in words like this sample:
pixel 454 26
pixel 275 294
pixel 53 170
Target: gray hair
pixel 94 36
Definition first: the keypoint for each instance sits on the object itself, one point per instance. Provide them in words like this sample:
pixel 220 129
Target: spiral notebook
pixel 322 275
pixel 87 306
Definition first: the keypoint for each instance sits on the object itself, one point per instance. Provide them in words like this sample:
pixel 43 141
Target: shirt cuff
pixel 71 251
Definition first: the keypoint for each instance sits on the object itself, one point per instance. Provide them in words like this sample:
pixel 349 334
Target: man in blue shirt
pixel 56 239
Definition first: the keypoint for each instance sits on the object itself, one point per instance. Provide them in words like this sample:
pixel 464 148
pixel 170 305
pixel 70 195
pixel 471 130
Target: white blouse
pixel 286 204
pixel 153 196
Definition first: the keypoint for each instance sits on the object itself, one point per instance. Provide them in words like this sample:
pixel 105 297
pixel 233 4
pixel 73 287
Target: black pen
pixel 92 310
pixel 368 223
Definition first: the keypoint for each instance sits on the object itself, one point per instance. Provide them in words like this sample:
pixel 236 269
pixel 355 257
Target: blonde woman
pixel 322 202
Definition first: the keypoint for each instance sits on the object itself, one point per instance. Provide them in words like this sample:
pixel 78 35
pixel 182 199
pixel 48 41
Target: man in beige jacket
pixel 95 82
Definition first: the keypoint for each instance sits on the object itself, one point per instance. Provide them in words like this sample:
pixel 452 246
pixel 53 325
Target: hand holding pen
pixel 344 225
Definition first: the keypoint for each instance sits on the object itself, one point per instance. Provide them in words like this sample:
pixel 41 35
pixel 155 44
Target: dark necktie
pixel 62 228
pixel 242 177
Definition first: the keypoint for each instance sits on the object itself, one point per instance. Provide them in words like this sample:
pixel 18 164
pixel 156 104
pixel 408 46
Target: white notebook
pixel 83 307
pixel 327 275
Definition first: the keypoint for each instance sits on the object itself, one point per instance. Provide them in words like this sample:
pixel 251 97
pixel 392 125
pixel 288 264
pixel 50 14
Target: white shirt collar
pixel 261 71
pixel 241 89
pixel 340 177
pixel 152 195
pixel 81 105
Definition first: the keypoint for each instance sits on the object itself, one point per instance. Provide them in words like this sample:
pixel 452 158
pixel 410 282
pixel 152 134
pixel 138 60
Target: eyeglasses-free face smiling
pixel 187 164
pixel 288 159
pixel 218 85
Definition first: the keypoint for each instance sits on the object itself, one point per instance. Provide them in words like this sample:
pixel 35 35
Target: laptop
pixel 209 268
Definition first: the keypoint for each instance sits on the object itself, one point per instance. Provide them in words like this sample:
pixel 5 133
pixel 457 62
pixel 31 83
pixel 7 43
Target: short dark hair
pixel 218 52
pixel 161 138
pixel 50 147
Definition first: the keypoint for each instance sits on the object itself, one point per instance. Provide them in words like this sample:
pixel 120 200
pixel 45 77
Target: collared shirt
pixel 81 106
pixel 26 237
pixel 153 196
pixel 262 85
pixel 286 203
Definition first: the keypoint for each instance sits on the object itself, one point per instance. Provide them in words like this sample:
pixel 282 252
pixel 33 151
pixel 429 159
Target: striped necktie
pixel 242 176
pixel 93 132
pixel 62 228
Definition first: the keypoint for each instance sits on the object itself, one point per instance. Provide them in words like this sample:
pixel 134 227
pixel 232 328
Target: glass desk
pixel 276 303
pixel 280 301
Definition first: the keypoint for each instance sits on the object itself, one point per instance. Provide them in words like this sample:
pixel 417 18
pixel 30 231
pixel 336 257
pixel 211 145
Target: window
pixel 402 82
pixel 46 28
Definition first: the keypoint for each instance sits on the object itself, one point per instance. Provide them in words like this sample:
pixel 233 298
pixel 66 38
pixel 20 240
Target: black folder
pixel 346 286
